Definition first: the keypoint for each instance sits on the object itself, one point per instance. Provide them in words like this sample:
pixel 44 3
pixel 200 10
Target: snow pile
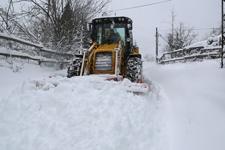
pixel 196 95
pixel 15 72
pixel 55 113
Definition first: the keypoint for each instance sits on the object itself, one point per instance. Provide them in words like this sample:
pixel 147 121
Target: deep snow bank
pixel 55 113
pixel 14 72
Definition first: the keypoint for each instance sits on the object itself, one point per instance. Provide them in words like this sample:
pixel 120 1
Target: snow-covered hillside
pixel 41 109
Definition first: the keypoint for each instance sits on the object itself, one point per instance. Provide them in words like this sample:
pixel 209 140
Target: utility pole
pixel 172 32
pixel 156 45
pixel 222 32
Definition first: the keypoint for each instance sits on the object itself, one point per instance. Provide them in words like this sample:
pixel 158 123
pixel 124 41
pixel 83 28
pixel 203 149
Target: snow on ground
pixel 47 111
pixel 14 73
pixel 196 95
pixel 41 109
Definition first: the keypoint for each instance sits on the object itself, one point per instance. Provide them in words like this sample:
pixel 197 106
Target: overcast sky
pixel 194 13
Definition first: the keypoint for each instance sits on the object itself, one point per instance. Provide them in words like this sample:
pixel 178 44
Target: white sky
pixel 194 13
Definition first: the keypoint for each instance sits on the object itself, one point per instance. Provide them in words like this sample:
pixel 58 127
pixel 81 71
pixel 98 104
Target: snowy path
pixel 196 96
pixel 84 113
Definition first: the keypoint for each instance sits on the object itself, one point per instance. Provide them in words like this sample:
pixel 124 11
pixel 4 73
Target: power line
pixel 205 28
pixel 196 29
pixel 140 6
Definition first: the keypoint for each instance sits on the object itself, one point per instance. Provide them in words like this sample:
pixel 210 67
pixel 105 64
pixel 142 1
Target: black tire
pixel 74 68
pixel 134 69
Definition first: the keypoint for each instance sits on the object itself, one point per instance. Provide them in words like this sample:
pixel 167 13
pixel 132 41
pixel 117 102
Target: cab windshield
pixel 108 34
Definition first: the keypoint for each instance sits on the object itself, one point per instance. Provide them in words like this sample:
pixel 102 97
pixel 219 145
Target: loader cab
pixel 112 51
pixel 111 30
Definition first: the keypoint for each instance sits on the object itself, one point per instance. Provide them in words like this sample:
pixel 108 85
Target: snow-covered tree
pixel 182 37
pixel 62 21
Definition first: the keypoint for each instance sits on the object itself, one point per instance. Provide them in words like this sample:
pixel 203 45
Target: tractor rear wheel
pixel 134 69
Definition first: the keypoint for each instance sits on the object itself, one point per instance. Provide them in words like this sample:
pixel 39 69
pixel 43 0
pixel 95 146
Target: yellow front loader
pixel 112 52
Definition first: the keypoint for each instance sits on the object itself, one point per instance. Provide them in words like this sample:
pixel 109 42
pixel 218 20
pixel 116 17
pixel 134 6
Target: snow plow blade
pixel 136 88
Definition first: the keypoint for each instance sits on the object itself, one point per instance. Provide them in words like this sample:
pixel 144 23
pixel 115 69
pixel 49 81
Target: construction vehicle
pixel 112 51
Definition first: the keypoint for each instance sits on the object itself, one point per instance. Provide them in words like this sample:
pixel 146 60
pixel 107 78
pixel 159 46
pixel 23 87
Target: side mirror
pixel 129 26
pixel 89 26
pixel 90 41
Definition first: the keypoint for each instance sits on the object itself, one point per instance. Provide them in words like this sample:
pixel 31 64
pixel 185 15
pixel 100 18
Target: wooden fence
pixel 193 53
pixel 64 57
